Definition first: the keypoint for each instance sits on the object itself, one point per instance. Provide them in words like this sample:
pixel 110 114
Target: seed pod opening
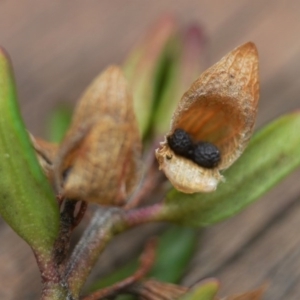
pixel 220 108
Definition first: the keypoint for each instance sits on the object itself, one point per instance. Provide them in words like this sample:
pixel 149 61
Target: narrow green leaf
pixel 143 66
pixel 273 153
pixel 206 290
pixel 27 202
pixel 185 59
pixel 114 277
pixel 58 123
pixel 167 86
pixel 175 250
pixel 176 247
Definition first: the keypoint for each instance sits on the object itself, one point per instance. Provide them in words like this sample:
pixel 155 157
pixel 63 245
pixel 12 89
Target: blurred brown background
pixel 57 47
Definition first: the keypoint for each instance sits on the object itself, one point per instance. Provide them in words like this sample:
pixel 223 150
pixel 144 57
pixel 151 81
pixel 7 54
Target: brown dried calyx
pixel 99 158
pixel 151 289
pixel 46 153
pixel 217 113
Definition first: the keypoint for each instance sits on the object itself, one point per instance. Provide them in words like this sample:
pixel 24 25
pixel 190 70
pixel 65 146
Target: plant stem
pixel 146 263
pixel 55 292
pixel 102 228
pixel 53 286
pixel 62 243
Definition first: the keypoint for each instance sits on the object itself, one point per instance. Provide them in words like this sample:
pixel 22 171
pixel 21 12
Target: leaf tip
pixel 3 52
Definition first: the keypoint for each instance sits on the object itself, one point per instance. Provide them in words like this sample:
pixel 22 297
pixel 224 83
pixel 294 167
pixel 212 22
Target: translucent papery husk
pixel 99 159
pixel 220 107
pixel 151 289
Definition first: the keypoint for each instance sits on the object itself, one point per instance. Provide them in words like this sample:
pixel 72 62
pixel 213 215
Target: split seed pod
pixel 98 160
pixel 219 108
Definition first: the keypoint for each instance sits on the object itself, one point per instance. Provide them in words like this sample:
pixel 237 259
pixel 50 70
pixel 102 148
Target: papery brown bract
pixel 151 289
pixel 46 153
pixel 98 160
pixel 252 295
pixel 220 107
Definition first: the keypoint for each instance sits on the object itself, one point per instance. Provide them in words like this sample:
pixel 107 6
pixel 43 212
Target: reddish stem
pixel 78 218
pixel 146 263
pixel 153 179
pixel 102 228
pixel 54 287
pixel 62 243
pixel 151 182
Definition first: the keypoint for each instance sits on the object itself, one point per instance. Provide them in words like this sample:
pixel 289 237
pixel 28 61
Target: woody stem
pixel 103 227
pixel 146 263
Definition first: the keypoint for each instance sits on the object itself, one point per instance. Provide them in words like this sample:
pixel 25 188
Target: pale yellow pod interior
pixel 184 174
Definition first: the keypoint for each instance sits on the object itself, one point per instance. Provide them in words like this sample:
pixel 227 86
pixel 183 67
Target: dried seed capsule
pixel 220 107
pixel 99 159
pixel 181 143
pixel 206 155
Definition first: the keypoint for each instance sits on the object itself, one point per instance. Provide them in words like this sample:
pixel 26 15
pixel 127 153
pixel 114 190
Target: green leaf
pixel 167 87
pixel 273 153
pixel 143 67
pixel 160 70
pixel 58 123
pixel 206 290
pixel 175 250
pixel 183 61
pixel 114 277
pixel 27 202
pixel 176 247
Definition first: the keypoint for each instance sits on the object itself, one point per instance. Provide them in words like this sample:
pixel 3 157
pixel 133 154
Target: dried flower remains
pixel 99 158
pixel 212 123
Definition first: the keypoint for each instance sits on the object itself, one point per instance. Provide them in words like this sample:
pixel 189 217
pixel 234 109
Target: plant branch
pixel 146 263
pixel 53 285
pixel 104 226
pixel 66 225
pixel 151 182
pixel 82 210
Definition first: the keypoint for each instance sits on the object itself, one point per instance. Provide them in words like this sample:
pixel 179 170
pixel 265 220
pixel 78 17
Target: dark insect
pixel 181 143
pixel 206 155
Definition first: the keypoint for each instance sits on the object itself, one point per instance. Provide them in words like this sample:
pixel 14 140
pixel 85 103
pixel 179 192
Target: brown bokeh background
pixel 57 47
